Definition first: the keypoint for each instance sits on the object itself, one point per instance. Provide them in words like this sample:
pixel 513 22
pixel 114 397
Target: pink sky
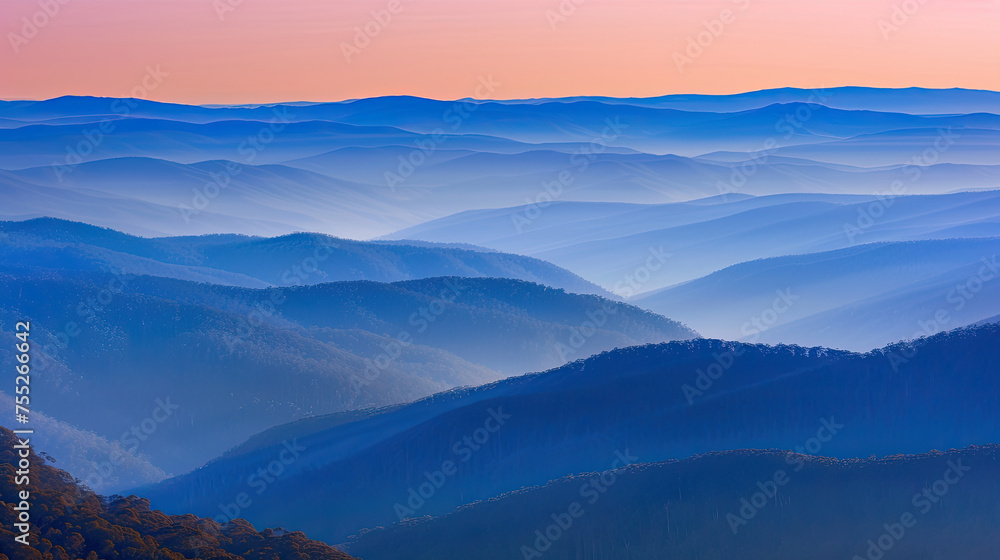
pixel 271 50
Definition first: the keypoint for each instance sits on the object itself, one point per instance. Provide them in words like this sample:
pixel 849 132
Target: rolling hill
pixel 658 402
pixel 234 361
pixel 611 243
pixel 856 298
pixel 749 503
pixel 254 262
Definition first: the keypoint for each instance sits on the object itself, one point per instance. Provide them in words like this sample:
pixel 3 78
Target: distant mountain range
pixel 606 243
pixel 655 402
pixel 369 167
pixel 851 267
pixel 912 100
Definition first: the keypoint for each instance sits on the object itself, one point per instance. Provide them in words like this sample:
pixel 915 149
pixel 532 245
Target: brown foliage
pixel 69 522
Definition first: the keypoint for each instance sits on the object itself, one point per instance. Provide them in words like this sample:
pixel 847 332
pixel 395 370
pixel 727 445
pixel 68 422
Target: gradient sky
pixel 282 50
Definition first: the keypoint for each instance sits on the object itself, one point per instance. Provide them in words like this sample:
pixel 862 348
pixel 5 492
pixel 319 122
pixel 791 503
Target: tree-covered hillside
pixel 69 522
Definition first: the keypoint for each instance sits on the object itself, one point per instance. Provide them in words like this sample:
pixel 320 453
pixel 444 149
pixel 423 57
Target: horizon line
pixel 512 99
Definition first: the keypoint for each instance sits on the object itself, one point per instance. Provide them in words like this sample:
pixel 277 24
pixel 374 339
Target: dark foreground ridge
pixel 749 504
pixel 69 521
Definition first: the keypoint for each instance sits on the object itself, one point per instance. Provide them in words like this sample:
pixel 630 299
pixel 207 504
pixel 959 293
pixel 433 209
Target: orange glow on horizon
pixel 256 51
